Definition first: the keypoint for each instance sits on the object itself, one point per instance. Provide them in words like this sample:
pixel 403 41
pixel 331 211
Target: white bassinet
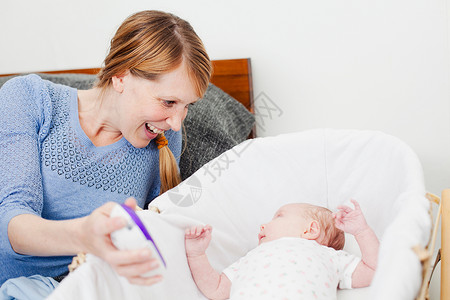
pixel 242 189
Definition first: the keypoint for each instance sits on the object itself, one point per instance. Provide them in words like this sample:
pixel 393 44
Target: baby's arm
pixel 210 282
pixel 353 222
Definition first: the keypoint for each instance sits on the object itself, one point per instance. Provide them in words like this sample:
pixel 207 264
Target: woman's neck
pixel 97 117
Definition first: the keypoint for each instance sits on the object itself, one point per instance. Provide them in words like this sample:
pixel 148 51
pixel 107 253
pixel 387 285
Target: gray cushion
pixel 78 81
pixel 213 125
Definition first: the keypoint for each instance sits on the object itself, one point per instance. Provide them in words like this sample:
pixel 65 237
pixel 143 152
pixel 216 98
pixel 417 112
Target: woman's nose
pixel 261 228
pixel 176 120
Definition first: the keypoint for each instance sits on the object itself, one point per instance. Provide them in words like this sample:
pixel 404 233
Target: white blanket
pixel 242 189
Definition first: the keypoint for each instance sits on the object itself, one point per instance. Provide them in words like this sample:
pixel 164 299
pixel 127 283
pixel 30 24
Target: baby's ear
pixel 313 231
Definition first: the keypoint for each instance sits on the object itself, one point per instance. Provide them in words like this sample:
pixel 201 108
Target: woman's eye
pixel 168 102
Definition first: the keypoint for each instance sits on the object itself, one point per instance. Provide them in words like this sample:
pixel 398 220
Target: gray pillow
pixel 213 125
pixel 78 81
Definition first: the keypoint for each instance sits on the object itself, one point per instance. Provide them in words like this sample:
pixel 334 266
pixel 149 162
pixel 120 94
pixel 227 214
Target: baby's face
pixel 288 221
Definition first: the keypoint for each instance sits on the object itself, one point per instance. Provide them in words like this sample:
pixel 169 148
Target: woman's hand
pixel 95 238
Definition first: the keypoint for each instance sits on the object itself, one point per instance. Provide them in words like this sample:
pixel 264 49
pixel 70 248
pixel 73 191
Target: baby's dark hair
pixel 330 236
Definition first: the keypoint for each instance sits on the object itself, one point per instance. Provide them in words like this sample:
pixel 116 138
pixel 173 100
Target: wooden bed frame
pixel 426 255
pixel 233 76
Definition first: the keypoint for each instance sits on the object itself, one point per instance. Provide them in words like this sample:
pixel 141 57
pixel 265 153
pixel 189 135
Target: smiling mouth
pixel 153 129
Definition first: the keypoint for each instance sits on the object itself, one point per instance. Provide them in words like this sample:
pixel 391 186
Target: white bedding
pixel 242 188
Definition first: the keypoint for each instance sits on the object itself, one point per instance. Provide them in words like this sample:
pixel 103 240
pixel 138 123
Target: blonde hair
pixel 151 43
pixel 330 236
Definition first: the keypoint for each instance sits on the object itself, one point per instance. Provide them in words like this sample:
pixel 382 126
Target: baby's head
pixel 303 220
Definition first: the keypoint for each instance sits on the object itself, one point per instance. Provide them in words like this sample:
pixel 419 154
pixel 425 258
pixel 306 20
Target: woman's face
pixel 148 107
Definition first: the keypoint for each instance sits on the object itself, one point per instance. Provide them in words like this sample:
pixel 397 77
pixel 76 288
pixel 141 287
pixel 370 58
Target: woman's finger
pixel 99 222
pixel 127 257
pixel 145 280
pixel 105 209
pixel 131 203
pixel 112 224
pixel 133 270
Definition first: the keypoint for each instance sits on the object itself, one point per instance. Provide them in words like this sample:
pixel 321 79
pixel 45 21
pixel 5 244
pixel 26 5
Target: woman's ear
pixel 312 232
pixel 118 81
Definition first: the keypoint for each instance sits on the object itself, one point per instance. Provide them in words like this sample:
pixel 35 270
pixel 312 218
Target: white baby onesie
pixel 291 268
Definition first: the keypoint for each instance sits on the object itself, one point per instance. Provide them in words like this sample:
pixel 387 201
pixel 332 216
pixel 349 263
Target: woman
pixel 66 153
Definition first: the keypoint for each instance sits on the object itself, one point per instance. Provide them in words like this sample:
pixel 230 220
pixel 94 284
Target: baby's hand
pixel 349 220
pixel 197 239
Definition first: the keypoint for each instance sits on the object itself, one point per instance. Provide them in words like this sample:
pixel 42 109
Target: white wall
pixel 343 64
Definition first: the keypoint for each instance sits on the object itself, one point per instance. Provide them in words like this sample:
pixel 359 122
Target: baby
pixel 299 256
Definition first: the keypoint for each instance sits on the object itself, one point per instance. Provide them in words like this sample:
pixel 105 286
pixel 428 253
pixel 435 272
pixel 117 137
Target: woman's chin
pixel 140 143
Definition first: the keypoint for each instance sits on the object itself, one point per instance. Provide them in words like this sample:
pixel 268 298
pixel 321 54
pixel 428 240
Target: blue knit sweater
pixel 50 168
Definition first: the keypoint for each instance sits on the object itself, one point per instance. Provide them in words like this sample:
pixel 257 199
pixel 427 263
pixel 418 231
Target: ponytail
pixel 168 168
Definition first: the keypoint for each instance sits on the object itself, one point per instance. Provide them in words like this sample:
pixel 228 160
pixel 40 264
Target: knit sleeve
pixel 21 124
